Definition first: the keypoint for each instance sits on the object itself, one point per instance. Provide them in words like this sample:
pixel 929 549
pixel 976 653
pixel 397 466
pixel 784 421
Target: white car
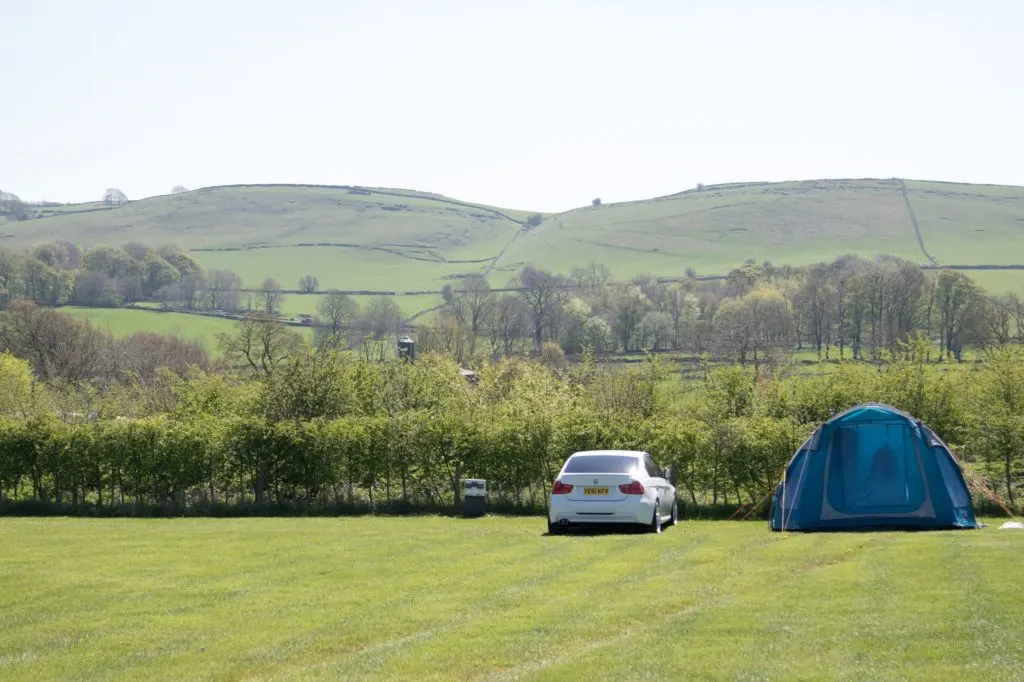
pixel 612 486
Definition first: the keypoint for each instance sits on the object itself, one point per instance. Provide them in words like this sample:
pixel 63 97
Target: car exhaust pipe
pixel 563 522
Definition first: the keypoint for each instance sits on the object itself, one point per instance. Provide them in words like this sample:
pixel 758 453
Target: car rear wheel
pixel 555 528
pixel 675 513
pixel 656 519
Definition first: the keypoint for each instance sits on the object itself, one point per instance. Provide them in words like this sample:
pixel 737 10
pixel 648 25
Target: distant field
pixel 336 268
pixel 294 304
pixel 125 321
pixel 400 240
pixel 497 599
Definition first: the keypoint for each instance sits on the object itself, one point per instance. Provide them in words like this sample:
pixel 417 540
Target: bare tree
pixel 222 289
pixel 272 296
pixel 114 197
pixel 543 293
pixel 335 313
pixel 259 342
pixel 189 287
pixel 56 345
pixel 179 189
pixel 509 323
pixel 381 322
pixel 141 355
pixel 309 284
pixel 471 305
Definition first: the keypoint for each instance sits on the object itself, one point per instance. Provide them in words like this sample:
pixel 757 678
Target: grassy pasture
pixel 970 224
pixel 336 268
pixel 712 230
pixel 126 321
pixel 495 598
pixel 717 229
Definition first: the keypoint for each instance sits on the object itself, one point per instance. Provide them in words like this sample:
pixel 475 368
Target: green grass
pixel 295 304
pixel 712 231
pixel 336 268
pixel 494 598
pixel 127 321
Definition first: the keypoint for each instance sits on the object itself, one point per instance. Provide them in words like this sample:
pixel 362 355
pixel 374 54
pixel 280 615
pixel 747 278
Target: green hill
pixel 400 240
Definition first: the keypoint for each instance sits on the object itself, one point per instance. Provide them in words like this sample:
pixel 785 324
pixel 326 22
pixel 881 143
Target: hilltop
pixel 404 240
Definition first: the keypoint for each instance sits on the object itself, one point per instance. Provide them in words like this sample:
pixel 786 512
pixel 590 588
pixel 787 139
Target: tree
pixel 534 220
pixel 596 202
pixel 259 342
pixel 628 307
pixel 157 273
pixel 509 323
pixel 184 263
pixel 471 305
pixel 222 289
pixel 681 307
pixel 335 312
pixel 189 288
pixel 179 189
pixel 141 356
pixel 131 289
pixel 592 279
pixel 12 207
pixel 112 262
pixel 957 299
pixel 272 296
pixel 542 293
pixel 114 197
pixel 16 384
pixel 309 284
pixel 95 289
pixel 56 345
pixel 733 330
pixel 657 330
pixel 381 322
pixel 996 424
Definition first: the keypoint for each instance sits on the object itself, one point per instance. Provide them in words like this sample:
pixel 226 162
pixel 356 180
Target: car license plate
pixel 595 491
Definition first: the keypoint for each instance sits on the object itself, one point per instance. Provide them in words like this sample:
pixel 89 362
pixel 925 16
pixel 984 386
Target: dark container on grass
pixel 474 497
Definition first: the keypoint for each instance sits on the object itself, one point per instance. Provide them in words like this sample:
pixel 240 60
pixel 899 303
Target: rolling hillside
pixel 400 240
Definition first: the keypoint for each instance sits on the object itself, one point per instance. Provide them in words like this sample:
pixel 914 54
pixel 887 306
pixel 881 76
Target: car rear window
pixel 601 464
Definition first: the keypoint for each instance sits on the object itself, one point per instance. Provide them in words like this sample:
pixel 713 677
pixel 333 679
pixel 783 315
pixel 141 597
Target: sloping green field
pixel 400 240
pixel 496 598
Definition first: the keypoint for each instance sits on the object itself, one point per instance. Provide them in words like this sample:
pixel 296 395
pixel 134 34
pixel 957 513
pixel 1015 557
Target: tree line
pixel 325 428
pixel 848 308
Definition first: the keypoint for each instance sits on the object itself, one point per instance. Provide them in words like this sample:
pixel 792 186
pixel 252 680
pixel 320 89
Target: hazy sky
pixel 534 104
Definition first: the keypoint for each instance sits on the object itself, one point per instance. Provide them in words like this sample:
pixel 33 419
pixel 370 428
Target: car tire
pixel 555 528
pixel 655 526
pixel 674 521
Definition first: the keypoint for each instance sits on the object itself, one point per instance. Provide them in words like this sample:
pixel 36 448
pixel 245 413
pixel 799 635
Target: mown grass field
pixel 495 598
pixel 401 240
pixel 127 321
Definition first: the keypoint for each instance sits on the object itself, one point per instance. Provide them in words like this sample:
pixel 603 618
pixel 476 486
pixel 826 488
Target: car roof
pixel 633 453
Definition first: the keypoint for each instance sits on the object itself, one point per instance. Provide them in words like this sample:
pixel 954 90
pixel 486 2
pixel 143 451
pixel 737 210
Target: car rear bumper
pixel 635 510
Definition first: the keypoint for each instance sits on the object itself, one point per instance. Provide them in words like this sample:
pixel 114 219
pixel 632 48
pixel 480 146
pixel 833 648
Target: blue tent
pixel 872 466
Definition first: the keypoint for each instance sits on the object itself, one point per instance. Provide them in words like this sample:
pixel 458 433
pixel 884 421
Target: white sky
pixel 533 104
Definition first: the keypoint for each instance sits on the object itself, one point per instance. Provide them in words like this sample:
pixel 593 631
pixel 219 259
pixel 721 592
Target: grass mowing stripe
pixel 494 598
pixel 592 605
pixel 723 604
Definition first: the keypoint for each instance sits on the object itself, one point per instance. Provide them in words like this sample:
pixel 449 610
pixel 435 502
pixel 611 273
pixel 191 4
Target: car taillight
pixel 560 488
pixel 632 488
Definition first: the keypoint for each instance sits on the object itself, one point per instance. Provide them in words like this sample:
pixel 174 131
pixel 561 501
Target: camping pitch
pixel 872 466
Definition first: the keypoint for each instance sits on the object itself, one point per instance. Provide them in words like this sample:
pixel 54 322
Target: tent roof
pixel 872 412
